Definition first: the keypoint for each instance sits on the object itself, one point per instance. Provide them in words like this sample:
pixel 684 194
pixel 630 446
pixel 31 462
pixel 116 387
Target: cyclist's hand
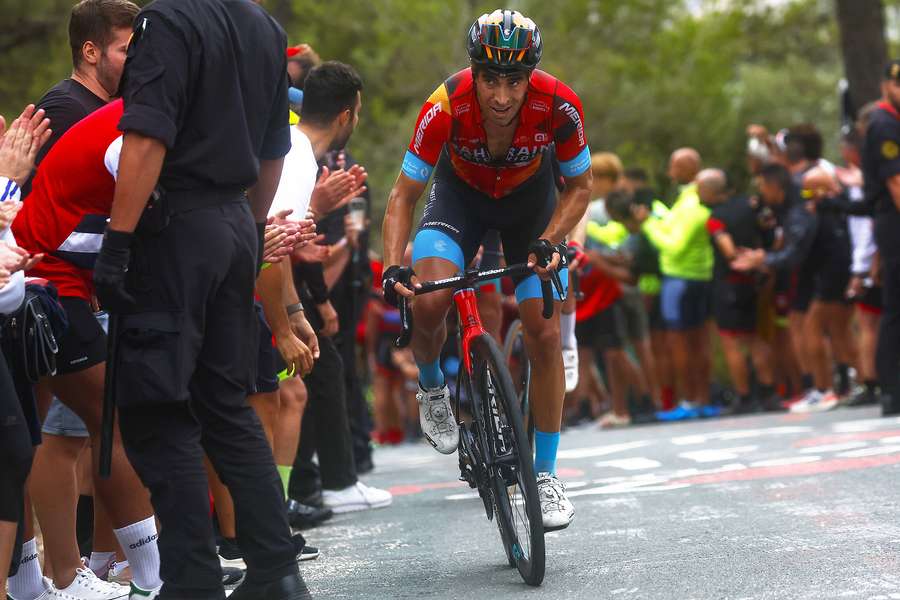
pixel 576 255
pixel 397 282
pixel 543 258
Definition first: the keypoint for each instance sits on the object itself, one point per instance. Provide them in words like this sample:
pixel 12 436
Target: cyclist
pixel 487 133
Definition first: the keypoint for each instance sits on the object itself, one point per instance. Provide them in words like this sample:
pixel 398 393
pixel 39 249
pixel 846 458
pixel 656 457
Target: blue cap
pixel 295 96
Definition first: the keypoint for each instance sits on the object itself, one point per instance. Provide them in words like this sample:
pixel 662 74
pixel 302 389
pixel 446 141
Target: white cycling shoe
pixel 570 365
pixel 437 420
pixel 556 509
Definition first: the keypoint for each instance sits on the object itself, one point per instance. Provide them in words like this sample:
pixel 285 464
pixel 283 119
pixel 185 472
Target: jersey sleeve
pixel 884 143
pixel 431 133
pixel 572 150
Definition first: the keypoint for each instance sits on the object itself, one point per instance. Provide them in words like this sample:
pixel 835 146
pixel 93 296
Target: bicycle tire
pixel 515 355
pixel 513 482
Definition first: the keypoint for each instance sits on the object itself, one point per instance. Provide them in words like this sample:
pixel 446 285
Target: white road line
pixel 717 455
pixel 876 451
pixel 737 434
pixel 638 463
pixel 835 447
pixel 593 451
pixel 788 460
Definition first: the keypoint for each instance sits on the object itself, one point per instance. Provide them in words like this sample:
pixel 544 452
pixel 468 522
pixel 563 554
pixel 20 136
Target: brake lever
pixel 406 323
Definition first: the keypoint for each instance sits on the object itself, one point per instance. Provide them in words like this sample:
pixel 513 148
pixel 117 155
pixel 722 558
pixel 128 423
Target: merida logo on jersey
pixel 572 113
pixel 144 541
pixel 423 125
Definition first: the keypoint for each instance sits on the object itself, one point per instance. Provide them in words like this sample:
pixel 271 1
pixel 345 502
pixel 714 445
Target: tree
pixel 863 45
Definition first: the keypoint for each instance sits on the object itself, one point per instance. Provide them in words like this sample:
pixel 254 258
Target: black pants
pixel 186 359
pixel 16 453
pixel 887 357
pixel 326 428
pixel 357 407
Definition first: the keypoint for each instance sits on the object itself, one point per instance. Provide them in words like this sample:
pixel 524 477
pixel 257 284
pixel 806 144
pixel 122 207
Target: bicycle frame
pixel 469 322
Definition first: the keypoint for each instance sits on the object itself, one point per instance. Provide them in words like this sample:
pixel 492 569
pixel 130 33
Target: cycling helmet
pixel 505 40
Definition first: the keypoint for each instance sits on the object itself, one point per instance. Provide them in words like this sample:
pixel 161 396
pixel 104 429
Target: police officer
pixel 205 130
pixel 881 169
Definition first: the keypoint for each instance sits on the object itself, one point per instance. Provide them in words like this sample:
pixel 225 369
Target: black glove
pixel 543 250
pixel 392 275
pixel 260 245
pixel 110 270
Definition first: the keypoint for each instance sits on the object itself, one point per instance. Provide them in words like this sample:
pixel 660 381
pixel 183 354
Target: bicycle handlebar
pixel 468 279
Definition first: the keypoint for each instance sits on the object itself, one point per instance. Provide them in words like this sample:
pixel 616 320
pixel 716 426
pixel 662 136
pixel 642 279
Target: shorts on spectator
pixel 634 312
pixel 735 307
pixel 831 281
pixel 62 421
pixel 83 345
pixel 870 301
pixel 603 331
pixel 268 359
pixel 685 303
pixel 654 313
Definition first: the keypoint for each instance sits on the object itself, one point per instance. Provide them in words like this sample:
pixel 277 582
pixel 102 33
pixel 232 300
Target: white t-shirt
pixel 298 178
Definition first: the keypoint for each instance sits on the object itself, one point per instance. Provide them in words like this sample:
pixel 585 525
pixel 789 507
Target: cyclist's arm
pixel 398 217
pixel 570 208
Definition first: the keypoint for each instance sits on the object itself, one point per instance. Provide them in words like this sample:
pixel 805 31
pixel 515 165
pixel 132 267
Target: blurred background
pixel 653 74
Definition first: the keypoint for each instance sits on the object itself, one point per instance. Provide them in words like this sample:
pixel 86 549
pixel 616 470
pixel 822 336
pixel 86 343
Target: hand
pixel 21 143
pixel 305 332
pixel 397 282
pixel 577 253
pixel 313 253
pixel 329 317
pixel 306 233
pixel 757 131
pixel 748 260
pixel 334 190
pixel 296 354
pixel 540 252
pixel 279 242
pixel 854 288
pixel 109 272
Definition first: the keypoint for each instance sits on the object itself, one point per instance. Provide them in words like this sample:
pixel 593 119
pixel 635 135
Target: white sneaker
pixel 570 365
pixel 356 497
pixel 437 420
pixel 87 586
pixel 816 401
pixel 556 509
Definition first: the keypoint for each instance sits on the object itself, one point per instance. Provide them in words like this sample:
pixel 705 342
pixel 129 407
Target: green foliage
pixel 652 74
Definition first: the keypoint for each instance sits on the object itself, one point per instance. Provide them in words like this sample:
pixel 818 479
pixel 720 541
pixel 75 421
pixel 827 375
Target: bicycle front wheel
pixel 510 464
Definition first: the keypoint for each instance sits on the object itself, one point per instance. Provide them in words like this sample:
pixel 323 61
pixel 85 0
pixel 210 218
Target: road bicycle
pixel 495 456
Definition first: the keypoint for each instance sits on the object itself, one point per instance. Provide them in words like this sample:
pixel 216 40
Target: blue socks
pixel 430 375
pixel 545 447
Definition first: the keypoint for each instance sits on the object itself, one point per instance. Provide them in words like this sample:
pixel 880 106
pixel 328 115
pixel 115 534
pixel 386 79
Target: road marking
pixel 877 451
pixel 594 451
pixel 737 434
pixel 717 455
pixel 833 447
pixel 789 460
pixel 638 463
pixel 863 425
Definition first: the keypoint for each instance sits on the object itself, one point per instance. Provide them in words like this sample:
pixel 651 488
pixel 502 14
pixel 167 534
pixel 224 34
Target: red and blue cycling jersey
pixel 551 116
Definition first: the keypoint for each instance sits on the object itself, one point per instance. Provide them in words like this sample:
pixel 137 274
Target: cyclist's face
pixel 500 98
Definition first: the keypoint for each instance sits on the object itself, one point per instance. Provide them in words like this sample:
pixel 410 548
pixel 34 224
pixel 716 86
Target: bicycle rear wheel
pixel 520 370
pixel 511 466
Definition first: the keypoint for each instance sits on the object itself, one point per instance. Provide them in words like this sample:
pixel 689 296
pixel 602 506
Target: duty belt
pixel 181 201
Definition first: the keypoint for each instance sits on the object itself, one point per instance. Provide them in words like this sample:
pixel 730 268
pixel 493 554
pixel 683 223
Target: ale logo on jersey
pixel 890 150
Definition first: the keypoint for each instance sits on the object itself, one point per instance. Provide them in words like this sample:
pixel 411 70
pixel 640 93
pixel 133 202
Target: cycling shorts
pixel 457 217
pixel 735 306
pixel 685 303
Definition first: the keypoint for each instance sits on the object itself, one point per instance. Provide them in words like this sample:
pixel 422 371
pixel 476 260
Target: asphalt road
pixel 759 507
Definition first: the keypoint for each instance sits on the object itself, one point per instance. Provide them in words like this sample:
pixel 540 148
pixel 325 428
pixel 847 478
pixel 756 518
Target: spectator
pixel 686 261
pixel 732 225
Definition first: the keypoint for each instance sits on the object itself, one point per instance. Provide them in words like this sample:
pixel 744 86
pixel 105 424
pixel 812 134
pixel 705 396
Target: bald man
pixel 733 224
pixel 686 262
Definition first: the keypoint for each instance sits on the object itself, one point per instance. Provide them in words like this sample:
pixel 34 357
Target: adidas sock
pixel 567 331
pixel 285 472
pixel 138 540
pixel 545 448
pixel 99 563
pixel 430 375
pixel 28 583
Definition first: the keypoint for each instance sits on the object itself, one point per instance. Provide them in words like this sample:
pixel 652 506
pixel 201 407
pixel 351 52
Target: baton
pixel 107 426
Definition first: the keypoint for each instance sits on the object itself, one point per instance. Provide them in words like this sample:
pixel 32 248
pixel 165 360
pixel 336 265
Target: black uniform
pixel 881 161
pixel 208 79
pixel 734 293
